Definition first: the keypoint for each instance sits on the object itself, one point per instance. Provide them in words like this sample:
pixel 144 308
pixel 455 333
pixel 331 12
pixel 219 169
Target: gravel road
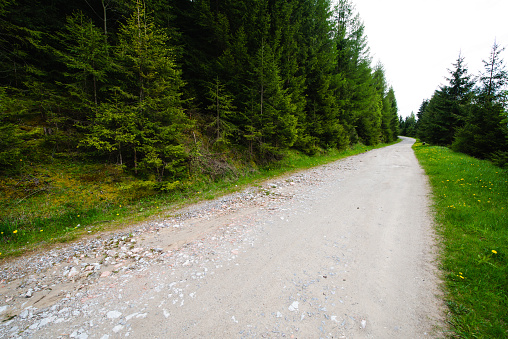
pixel 344 250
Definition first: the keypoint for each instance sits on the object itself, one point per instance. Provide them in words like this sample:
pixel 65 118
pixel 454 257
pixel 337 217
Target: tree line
pixel 150 84
pixel 469 113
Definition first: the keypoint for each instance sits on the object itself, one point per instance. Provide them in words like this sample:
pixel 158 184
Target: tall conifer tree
pixel 143 122
pixel 484 134
pixel 446 110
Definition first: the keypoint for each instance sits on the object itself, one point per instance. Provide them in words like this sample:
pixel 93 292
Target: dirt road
pixel 344 250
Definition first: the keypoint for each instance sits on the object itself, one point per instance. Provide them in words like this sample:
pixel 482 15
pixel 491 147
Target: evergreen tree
pixel 435 128
pixel 271 109
pixel 221 103
pixel 421 120
pixel 288 18
pixel 10 142
pixel 388 128
pixel 494 78
pixel 446 110
pixel 392 114
pixel 323 112
pixel 407 126
pixel 359 100
pixel 106 75
pixel 144 121
pixel 87 60
pixel 484 134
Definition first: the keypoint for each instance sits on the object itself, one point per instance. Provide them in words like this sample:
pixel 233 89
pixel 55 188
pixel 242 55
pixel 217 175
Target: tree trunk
pixel 218 111
pixel 135 161
pixel 120 153
pixel 105 23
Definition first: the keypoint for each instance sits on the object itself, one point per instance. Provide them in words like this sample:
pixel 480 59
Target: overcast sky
pixel 417 41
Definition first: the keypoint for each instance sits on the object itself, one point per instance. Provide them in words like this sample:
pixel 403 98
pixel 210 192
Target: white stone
pixel 73 272
pixel 46 321
pixel 105 274
pixel 117 328
pixel 130 316
pixel 34 326
pixel 294 306
pixel 113 314
pixel 79 334
pixel 63 310
pixel 3 309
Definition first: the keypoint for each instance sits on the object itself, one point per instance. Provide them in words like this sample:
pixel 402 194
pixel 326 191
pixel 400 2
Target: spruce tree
pixel 494 78
pixel 271 108
pixel 446 110
pixel 11 141
pixel 221 104
pixel 287 23
pixel 392 114
pixel 360 101
pixel 408 126
pixel 421 120
pixel 323 112
pixel 143 122
pixel 379 82
pixel 484 134
pixel 87 60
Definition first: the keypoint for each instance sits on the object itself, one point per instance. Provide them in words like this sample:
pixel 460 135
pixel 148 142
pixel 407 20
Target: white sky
pixel 417 41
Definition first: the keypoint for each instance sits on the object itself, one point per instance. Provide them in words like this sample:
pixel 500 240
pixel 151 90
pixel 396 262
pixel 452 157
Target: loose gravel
pixel 55 287
pixel 343 250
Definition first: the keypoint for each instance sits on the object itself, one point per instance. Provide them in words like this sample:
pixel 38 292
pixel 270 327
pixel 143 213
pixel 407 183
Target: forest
pixel 162 88
pixel 469 113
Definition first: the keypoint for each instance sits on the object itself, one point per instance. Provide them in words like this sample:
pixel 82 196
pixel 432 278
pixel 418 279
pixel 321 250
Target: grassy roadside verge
pixel 471 205
pixel 60 202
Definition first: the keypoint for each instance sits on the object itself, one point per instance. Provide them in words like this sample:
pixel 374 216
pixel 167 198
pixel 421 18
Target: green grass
pixel 62 201
pixel 471 206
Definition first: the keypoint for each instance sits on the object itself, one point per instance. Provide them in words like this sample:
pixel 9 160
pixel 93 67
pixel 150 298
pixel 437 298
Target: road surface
pixel 345 250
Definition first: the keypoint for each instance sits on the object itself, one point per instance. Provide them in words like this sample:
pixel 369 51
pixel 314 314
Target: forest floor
pixel 344 250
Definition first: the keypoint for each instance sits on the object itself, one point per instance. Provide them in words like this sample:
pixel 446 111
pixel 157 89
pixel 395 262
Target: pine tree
pixel 379 82
pixel 87 60
pixel 392 114
pixel 437 122
pixel 324 114
pixel 494 78
pixel 484 134
pixel 10 142
pixel 446 110
pixel 421 120
pixel 221 103
pixel 407 126
pixel 143 122
pixel 359 100
pixel 272 111
pixel 288 18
